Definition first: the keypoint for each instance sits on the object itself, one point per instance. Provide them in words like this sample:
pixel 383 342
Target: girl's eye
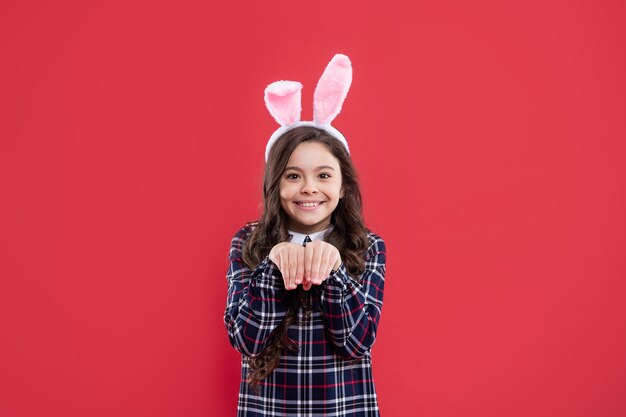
pixel 292 176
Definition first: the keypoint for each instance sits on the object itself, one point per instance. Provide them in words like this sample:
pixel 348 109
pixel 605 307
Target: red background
pixel 490 142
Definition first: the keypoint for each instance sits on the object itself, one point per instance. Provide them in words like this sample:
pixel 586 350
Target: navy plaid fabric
pixel 331 375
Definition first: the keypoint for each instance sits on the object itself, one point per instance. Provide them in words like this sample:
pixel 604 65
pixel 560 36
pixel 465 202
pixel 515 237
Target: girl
pixel 305 282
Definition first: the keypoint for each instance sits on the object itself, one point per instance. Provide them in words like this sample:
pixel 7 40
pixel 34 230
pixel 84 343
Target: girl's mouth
pixel 309 206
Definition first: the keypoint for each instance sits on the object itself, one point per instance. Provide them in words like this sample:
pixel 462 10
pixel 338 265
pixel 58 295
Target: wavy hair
pixel 349 234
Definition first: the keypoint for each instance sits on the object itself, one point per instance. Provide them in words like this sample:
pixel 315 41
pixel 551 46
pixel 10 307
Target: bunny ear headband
pixel 283 100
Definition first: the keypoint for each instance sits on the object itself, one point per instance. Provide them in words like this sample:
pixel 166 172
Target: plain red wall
pixel 490 141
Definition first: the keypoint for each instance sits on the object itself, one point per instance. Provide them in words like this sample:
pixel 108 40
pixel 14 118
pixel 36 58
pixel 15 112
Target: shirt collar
pixel 298 238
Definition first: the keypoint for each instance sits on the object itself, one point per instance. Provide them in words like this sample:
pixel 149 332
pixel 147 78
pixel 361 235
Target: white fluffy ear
pixel 284 101
pixel 332 89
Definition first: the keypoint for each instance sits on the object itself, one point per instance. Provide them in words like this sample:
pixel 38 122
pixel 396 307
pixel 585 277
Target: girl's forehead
pixel 312 154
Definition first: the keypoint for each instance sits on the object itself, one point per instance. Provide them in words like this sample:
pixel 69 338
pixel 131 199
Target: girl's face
pixel 310 187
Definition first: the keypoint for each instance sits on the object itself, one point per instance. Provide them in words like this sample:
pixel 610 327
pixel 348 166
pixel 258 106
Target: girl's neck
pixel 310 232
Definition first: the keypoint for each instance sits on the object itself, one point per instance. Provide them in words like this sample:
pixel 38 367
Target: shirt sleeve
pixel 254 306
pixel 351 307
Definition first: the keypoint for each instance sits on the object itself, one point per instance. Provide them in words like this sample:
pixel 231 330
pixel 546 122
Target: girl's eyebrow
pixel 318 168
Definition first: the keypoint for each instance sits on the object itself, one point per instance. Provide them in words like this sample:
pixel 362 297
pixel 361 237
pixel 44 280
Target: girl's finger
pixel 333 260
pixel 299 265
pixel 287 277
pixel 329 265
pixel 293 268
pixel 316 263
pixel 308 261
pixel 281 268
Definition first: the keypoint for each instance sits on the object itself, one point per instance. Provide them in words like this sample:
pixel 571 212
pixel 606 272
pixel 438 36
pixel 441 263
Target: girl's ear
pixel 332 89
pixel 284 101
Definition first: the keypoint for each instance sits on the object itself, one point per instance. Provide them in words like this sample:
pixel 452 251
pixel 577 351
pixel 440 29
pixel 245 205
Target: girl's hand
pixel 320 258
pixel 289 257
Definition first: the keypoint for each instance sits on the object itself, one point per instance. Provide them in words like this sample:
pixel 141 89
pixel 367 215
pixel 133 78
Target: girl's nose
pixel 309 187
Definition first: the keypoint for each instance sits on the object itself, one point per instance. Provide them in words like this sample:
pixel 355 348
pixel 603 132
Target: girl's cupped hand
pixel 307 265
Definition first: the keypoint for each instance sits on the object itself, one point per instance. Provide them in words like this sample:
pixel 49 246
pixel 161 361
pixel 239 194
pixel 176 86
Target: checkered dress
pixel 331 375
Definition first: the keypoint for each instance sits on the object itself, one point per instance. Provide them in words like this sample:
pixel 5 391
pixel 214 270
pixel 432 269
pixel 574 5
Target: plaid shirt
pixel 331 374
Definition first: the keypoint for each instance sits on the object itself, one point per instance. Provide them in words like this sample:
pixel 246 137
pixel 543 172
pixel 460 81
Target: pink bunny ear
pixel 332 89
pixel 283 100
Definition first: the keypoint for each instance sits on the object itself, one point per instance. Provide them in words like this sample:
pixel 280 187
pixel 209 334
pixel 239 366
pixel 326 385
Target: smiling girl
pixel 305 281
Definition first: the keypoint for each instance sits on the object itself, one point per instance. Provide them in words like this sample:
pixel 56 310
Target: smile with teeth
pixel 315 204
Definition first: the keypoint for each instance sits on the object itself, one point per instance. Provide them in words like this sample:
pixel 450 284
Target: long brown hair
pixel 349 234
